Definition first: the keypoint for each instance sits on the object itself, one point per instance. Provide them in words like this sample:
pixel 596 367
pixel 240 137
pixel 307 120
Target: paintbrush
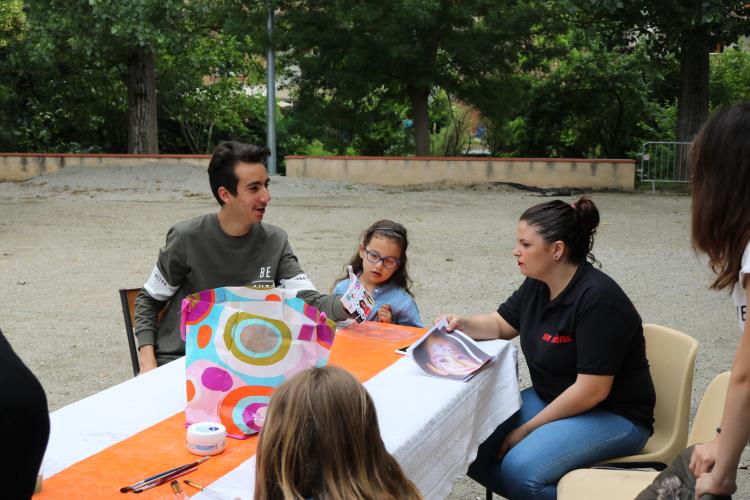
pixel 125 489
pixel 206 491
pixel 156 477
pixel 164 480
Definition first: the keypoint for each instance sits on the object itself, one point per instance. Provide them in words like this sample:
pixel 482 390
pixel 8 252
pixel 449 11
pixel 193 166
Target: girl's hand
pixel 513 438
pixel 703 457
pixel 708 484
pixel 385 315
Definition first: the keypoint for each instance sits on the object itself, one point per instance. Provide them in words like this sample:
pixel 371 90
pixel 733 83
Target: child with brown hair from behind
pixel 321 441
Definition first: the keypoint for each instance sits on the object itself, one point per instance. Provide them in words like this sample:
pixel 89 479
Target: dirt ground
pixel 69 240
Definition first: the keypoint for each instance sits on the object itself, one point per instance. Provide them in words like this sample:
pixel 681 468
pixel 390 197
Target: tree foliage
pixel 210 93
pixel 391 77
pixel 12 21
pixel 64 86
pixel 361 62
pixel 730 78
pixel 591 102
pixel 688 30
pixel 54 96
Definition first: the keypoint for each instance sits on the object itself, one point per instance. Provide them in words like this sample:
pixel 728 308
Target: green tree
pixel 54 96
pixel 730 77
pixel 12 21
pixel 209 92
pixel 594 102
pixel 689 30
pixel 109 38
pixel 357 64
pixel 133 32
pixel 63 88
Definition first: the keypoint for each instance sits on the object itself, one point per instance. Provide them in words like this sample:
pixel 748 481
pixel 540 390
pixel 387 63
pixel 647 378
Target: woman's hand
pixel 704 457
pixel 453 320
pixel 489 326
pixel 385 315
pixel 513 438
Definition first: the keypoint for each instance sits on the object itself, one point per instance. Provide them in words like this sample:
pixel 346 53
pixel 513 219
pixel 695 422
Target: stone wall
pixel 599 174
pixel 21 166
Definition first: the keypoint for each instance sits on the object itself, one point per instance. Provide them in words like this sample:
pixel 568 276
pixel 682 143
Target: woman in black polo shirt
pixel 591 396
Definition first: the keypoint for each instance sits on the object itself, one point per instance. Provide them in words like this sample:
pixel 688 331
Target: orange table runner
pixel 364 350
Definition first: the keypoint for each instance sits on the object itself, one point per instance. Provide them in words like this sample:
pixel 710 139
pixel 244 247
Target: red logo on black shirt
pixel 557 339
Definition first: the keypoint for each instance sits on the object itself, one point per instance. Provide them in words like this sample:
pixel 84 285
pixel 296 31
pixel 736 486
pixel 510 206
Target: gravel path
pixel 69 240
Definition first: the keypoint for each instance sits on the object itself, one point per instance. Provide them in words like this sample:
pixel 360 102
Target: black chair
pixel 127 297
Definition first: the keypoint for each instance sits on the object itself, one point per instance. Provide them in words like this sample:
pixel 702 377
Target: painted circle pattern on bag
pixel 201 396
pixel 257 340
pixel 243 410
pixel 237 353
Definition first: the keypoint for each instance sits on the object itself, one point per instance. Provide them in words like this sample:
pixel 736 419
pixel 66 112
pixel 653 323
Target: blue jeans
pixel 532 468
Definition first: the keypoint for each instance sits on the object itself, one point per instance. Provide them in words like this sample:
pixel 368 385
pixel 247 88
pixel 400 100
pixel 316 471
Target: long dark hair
pixel 720 161
pixel 394 232
pixel 321 439
pixel 574 224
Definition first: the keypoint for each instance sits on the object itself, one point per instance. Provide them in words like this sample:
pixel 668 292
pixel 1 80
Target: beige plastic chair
pixel 710 410
pixel 671 355
pixel 623 484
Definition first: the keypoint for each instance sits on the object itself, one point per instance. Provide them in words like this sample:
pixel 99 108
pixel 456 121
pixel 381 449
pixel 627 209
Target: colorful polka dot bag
pixel 241 343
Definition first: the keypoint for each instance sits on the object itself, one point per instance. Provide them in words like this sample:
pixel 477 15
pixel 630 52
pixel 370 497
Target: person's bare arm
pixel 147 310
pixel 146 358
pixel 488 326
pixel 735 431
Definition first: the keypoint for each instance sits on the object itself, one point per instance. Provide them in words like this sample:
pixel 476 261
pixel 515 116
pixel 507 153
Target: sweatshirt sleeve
pixel 165 279
pixel 292 277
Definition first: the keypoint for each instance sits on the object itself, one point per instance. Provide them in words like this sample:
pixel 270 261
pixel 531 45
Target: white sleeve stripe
pixel 297 283
pixel 157 286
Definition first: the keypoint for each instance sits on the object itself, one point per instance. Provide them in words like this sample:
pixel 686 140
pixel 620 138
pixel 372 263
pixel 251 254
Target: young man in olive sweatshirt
pixel 229 248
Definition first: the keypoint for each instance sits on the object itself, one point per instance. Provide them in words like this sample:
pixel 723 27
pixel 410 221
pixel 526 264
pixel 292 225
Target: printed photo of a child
pixel 450 355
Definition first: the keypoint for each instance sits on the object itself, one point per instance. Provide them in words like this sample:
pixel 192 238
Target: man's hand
pixel 147 358
pixel 385 315
pixel 704 457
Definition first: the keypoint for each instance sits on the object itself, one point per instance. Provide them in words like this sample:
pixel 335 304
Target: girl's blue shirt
pixel 403 306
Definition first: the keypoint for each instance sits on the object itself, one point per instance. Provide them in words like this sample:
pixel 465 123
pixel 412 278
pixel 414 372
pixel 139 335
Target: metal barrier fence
pixel 665 162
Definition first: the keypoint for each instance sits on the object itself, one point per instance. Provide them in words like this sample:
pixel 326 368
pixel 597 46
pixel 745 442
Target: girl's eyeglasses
pixel 388 262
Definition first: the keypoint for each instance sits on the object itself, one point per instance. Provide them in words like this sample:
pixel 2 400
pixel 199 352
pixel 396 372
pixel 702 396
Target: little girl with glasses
pixel 380 262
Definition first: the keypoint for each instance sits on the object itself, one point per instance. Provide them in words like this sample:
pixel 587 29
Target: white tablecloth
pixel 432 426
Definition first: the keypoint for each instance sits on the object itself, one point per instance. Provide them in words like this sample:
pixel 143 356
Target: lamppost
pixel 270 94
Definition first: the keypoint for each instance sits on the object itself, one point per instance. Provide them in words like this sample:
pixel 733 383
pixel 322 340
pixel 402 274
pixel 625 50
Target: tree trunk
pixel 142 128
pixel 419 106
pixel 692 108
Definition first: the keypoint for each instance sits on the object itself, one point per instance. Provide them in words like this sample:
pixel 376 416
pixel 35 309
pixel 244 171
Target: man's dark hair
pixel 226 155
